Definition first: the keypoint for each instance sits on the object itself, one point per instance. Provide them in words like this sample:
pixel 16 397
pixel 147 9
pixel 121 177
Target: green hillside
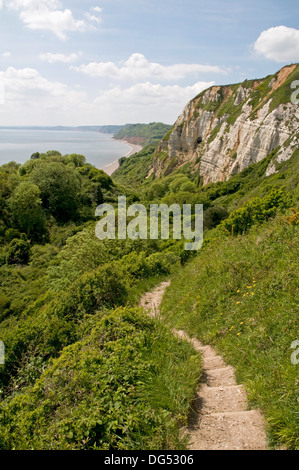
pixel 143 133
pixel 85 367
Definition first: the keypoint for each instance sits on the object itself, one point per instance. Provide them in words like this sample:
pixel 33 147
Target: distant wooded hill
pixel 143 133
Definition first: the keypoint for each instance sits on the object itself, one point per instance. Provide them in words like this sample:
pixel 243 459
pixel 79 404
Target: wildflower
pixel 238 302
pixel 241 323
pixel 238 334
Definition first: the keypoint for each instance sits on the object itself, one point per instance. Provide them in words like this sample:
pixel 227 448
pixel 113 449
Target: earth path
pixel 220 419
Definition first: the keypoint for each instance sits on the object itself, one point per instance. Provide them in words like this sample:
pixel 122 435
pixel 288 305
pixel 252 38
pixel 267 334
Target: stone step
pixel 213 362
pixel 230 431
pixel 224 376
pixel 206 351
pixel 222 399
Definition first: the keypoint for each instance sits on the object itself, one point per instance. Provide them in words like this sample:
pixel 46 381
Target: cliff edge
pixel 226 128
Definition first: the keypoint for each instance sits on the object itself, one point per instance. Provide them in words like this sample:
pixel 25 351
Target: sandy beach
pixel 109 169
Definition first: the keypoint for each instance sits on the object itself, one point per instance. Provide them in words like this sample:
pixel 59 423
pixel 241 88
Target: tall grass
pixel 239 295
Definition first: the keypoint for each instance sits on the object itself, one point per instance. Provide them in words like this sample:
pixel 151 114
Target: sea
pixel 18 144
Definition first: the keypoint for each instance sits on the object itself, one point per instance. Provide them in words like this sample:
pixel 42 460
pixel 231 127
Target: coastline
pixel 112 167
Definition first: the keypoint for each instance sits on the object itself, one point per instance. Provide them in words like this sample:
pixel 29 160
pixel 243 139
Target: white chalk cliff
pixel 225 129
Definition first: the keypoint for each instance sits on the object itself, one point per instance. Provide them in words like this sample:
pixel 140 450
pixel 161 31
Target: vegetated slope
pixel 240 296
pixel 76 346
pixel 240 293
pixel 133 171
pixel 142 134
pixel 83 368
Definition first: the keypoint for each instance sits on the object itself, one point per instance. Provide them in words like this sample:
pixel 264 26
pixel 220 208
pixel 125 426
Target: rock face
pixel 225 129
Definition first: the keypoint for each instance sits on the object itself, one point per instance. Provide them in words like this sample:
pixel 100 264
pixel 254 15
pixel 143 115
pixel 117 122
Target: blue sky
pixel 113 62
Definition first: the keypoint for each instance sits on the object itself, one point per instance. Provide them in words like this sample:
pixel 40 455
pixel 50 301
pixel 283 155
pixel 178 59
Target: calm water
pixel 99 149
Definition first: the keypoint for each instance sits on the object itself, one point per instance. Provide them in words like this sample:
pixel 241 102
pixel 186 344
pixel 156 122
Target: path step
pixel 218 420
pixel 230 431
pixel 214 362
pixel 224 376
pixel 223 399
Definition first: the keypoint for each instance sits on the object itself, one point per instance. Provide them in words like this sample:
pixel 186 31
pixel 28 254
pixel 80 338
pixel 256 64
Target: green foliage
pixel 213 216
pixel 59 188
pixel 145 133
pixel 83 368
pixel 178 183
pixel 18 252
pixel 167 136
pixel 238 295
pixel 97 176
pixel 76 159
pixel 135 169
pixel 255 211
pixel 25 204
pixel 99 393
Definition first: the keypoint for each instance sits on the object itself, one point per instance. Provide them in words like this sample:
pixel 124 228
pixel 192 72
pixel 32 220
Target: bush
pixel 18 252
pixel 255 211
pixel 213 216
pixel 59 187
pixel 102 392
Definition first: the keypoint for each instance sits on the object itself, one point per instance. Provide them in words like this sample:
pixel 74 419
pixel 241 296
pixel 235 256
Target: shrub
pixel 101 393
pixel 255 211
pixel 18 252
pixel 213 216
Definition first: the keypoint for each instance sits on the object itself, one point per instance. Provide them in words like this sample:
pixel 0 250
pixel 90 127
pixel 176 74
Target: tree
pixel 26 207
pixel 77 160
pixel 18 252
pixel 60 187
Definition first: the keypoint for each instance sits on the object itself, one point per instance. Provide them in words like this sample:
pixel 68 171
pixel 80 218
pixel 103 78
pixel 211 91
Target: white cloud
pixel 137 68
pixel 51 58
pixel 6 54
pixel 31 98
pixel 97 9
pixel 93 16
pixel 19 82
pixel 145 102
pixel 47 15
pixel 279 43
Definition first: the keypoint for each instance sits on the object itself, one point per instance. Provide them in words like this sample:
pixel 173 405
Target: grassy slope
pixel 148 133
pixel 123 386
pixel 239 294
pixel 134 170
pixel 81 373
